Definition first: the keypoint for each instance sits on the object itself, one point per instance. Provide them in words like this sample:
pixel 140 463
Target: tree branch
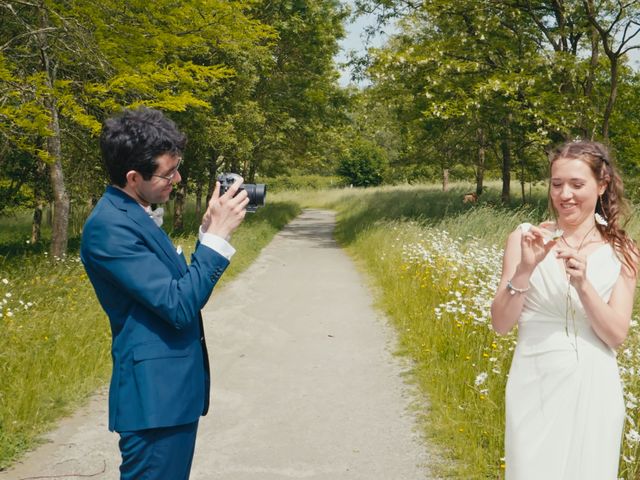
pixel 26 34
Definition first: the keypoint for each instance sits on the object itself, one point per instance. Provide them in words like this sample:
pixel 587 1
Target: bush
pixel 365 165
pixel 301 182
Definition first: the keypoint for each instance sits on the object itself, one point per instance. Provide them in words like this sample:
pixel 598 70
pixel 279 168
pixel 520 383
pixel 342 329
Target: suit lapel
pixel 156 235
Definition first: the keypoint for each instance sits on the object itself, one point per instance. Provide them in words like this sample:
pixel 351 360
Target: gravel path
pixel 304 382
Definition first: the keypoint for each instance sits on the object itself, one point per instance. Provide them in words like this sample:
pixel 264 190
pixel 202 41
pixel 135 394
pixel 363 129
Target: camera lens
pixel 257 195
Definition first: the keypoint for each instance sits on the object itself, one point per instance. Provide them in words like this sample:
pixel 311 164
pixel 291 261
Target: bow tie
pixel 156 215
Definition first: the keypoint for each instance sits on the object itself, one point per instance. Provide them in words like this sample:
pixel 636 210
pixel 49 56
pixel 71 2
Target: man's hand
pixel 224 213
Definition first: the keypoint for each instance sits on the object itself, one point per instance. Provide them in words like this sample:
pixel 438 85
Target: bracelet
pixel 513 290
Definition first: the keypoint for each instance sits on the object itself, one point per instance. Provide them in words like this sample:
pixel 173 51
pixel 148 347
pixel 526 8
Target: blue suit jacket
pixel 153 300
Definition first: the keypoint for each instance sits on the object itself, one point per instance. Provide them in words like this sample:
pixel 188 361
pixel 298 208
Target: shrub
pixel 364 166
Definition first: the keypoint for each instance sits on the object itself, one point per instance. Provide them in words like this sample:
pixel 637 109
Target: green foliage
pixel 252 83
pixel 625 135
pixel 364 165
pixel 492 85
pixel 298 93
pixel 301 182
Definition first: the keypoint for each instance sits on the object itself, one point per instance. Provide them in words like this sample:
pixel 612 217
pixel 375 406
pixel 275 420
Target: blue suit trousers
pixel 158 453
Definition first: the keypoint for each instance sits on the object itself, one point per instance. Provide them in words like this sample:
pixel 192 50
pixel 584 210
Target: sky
pixel 355 40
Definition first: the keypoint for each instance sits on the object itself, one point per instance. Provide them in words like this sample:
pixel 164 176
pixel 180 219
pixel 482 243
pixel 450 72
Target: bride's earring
pixel 600 219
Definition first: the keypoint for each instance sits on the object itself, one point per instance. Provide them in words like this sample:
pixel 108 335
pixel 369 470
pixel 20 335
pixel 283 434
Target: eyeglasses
pixel 169 178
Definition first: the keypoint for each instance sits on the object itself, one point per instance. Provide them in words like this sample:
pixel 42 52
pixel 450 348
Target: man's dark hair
pixel 134 140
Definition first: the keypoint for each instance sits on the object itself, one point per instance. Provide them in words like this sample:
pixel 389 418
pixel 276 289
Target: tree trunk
pixel 36 226
pixel 59 229
pixel 613 93
pixel 445 180
pixel 179 204
pixel 481 163
pixel 523 167
pixel 40 198
pixel 252 170
pixel 523 184
pixel 588 130
pixel 199 199
pixel 235 166
pixel 59 234
pixel 213 171
pixel 506 171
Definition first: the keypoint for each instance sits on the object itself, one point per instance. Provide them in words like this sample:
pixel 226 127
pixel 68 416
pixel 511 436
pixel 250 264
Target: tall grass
pixel 435 264
pixel 55 341
pixel 54 346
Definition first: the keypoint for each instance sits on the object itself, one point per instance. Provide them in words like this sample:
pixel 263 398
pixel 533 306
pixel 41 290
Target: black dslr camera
pixel 257 193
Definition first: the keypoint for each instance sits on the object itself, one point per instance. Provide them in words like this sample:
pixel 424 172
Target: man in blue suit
pixel 160 380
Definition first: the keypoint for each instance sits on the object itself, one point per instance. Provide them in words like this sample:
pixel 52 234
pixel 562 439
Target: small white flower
pixel 555 235
pixel 481 378
pixel 8 294
pixel 633 436
pixel 5 281
pixel 630 419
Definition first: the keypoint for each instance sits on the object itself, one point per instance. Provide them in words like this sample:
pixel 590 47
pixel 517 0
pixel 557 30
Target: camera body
pixel 257 193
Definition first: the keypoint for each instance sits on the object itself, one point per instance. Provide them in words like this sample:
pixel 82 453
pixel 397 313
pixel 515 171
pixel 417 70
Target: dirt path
pixel 304 382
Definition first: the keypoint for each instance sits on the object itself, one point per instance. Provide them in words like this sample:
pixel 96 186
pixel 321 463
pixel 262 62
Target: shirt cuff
pixel 216 243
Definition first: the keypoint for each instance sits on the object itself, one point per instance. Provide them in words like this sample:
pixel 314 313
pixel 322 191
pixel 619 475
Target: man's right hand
pixel 225 212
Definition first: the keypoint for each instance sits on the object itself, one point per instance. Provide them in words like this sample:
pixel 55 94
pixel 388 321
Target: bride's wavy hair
pixel 612 205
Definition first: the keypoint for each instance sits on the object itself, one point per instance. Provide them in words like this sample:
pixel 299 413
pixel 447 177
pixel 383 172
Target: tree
pixel 364 165
pixel 618 24
pixel 498 80
pixel 54 50
pixel 298 93
pixel 83 61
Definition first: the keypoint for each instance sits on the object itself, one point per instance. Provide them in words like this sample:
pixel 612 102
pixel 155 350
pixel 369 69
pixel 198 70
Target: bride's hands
pixel 535 244
pixel 575 265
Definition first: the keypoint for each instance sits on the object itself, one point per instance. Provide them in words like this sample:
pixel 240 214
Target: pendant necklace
pixel 569 310
pixel 577 250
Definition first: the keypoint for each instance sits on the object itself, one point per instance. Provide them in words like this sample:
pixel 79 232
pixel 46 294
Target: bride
pixel 569 287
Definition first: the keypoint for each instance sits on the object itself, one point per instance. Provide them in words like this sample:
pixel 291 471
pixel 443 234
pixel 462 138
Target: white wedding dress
pixel 564 400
